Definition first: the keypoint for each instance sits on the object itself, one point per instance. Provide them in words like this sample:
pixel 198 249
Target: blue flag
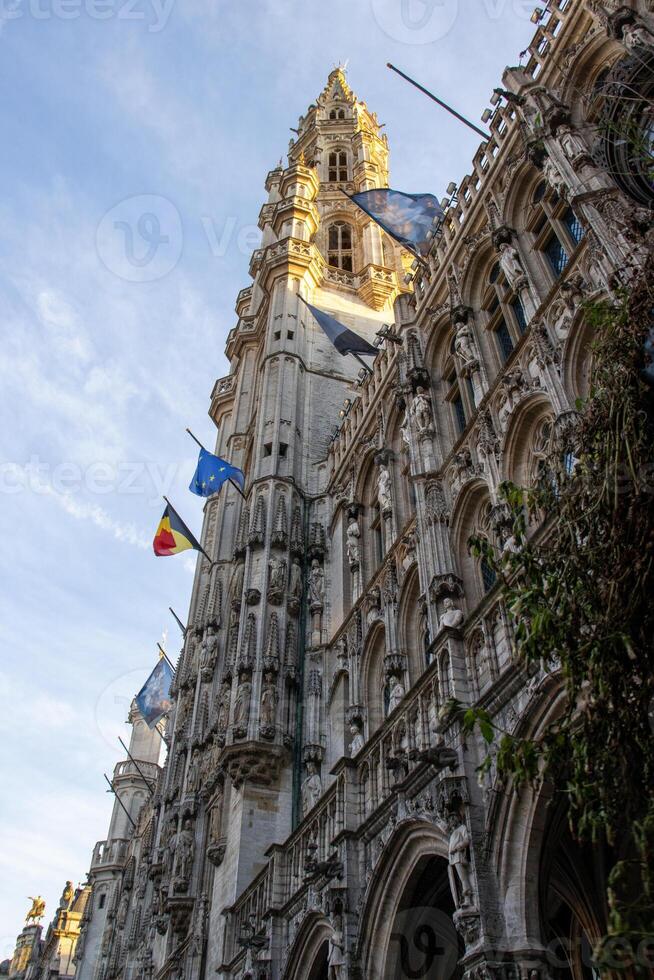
pixel 345 341
pixel 408 218
pixel 154 699
pixel 211 472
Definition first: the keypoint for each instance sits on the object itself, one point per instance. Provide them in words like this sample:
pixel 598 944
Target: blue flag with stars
pixel 211 472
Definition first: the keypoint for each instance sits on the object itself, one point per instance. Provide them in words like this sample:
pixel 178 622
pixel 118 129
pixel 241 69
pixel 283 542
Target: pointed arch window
pixel 338 169
pixel 339 241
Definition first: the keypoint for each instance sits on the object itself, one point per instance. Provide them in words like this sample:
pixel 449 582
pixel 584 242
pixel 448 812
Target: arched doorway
pixel 424 943
pixel 319 969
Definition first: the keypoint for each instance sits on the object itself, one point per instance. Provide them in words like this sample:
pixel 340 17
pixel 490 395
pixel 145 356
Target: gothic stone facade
pixel 319 814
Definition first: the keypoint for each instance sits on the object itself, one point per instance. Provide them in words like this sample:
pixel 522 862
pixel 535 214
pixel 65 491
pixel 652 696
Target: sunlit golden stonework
pixel 320 813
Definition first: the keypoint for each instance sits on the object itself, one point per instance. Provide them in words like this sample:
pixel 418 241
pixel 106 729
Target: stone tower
pixel 246 748
pixel 133 783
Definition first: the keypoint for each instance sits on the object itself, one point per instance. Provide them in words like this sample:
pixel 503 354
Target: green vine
pixel 578 583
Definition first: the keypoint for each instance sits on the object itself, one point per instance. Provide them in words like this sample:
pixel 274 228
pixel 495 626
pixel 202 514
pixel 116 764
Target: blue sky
pixel 167 112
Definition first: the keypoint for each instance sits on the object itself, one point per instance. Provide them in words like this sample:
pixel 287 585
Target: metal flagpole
pixel 112 790
pixel 138 768
pixel 201 548
pixel 178 620
pixel 229 477
pixel 443 105
pixel 361 362
pixel 166 657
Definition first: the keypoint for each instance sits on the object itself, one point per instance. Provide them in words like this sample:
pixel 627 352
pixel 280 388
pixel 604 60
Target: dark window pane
pixel 539 193
pixel 333 237
pixel 488 575
pixel 519 313
pixel 346 236
pixel 504 341
pixel 573 225
pixel 459 413
pixel 346 263
pixel 494 273
pixel 557 255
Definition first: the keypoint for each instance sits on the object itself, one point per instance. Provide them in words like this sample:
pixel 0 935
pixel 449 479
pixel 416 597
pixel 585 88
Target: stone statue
pixel 352 544
pixel 405 431
pixel 268 708
pixel 37 910
pixel 295 584
pixel 421 412
pixel 459 862
pixel 223 707
pixel 184 847
pixel 316 583
pixel 552 175
pixel 511 264
pixel 336 955
pixel 242 703
pixel 193 775
pixel 452 615
pixel 384 489
pixel 277 574
pixel 237 583
pixel 311 788
pixel 123 908
pixel 358 741
pixel 464 347
pixel 571 143
pixel 636 36
pixel 216 820
pixel 209 650
pixel 397 692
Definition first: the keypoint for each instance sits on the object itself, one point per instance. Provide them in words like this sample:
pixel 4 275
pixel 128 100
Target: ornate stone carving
pixel 451 617
pixel 276 579
pixel 352 542
pixel 242 706
pixel 311 787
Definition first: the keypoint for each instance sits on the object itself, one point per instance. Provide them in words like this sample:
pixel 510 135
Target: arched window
pixel 338 166
pixel 555 228
pixel 339 242
pixel 507 318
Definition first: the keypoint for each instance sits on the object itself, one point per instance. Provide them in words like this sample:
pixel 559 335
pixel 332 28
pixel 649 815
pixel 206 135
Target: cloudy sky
pixel 136 138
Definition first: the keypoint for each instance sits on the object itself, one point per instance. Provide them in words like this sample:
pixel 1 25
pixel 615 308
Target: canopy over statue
pixel 37 910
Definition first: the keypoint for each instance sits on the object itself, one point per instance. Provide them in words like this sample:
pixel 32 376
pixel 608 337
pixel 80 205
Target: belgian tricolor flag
pixel 173 535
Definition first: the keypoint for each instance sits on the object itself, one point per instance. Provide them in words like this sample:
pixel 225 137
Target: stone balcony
pixel 109 854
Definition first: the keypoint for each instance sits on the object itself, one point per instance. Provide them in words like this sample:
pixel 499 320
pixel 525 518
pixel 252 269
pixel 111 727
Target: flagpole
pixel 361 362
pixel 199 545
pixel 178 621
pixel 112 790
pixel 138 768
pixel 166 657
pixel 443 105
pixel 229 477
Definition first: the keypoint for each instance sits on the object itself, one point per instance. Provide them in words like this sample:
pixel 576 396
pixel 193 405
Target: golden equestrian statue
pixel 37 910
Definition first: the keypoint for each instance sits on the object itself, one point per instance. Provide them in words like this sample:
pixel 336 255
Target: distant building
pixel 319 814
pixel 51 957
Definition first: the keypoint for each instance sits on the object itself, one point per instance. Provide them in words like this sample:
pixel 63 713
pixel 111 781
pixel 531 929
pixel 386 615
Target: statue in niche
pixel 311 788
pixel 242 703
pixel 295 583
pixel 209 652
pixel 336 954
pixel 421 412
pixel 268 708
pixel 276 574
pixel 459 861
pixel 193 775
pixel 636 35
pixel 464 347
pixel 237 584
pixel 216 820
pixel 452 616
pixel 224 702
pixel 397 692
pixel 123 908
pixel 184 847
pixel 511 264
pixel 571 142
pixel 384 489
pixel 358 741
pixel 553 176
pixel 352 543
pixel 316 583
pixel 405 431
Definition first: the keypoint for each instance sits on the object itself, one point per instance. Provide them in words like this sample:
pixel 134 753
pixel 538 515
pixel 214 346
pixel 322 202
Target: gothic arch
pixel 308 949
pixel 370 542
pixel 597 55
pixel 475 278
pixel 413 842
pixel 372 676
pixel 409 620
pixel 465 522
pixel 577 358
pixel 519 197
pixel 517 454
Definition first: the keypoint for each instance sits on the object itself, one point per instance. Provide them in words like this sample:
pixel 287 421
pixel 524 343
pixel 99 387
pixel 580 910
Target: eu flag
pixel 345 341
pixel 154 700
pixel 211 472
pixel 408 218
